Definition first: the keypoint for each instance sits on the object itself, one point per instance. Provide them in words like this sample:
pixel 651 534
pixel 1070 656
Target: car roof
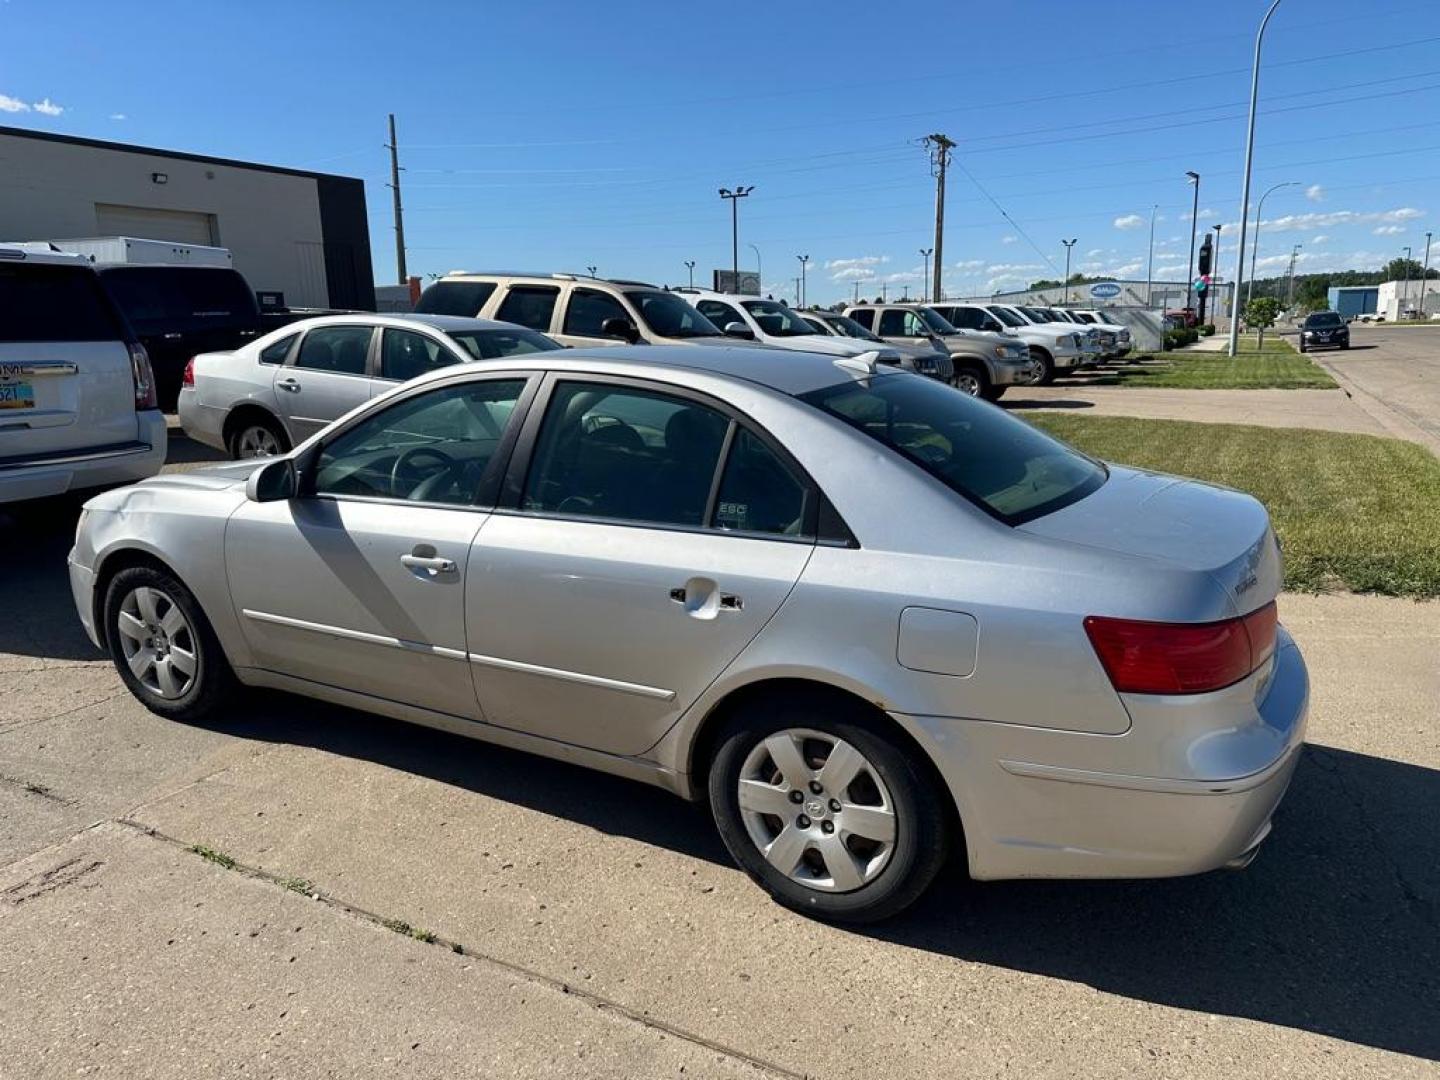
pixel 543 276
pixel 447 323
pixel 39 251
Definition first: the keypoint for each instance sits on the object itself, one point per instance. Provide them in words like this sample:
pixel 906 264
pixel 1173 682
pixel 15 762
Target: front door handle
pixel 435 564
pixel 289 384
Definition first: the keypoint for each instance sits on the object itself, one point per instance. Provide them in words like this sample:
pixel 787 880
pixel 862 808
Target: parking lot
pixel 1396 365
pixel 378 895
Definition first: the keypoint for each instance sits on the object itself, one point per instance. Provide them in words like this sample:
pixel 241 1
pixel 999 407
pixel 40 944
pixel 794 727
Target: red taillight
pixel 143 376
pixel 1182 658
pixel 188 379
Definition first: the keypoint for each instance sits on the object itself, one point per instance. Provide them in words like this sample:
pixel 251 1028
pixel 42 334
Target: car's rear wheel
pixel 972 381
pixel 825 813
pixel 1047 365
pixel 163 646
pixel 258 436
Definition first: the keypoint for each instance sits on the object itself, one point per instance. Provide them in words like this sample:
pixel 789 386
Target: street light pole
pixel 1405 288
pixel 1255 244
pixel 592 270
pixel 735 196
pixel 1424 275
pixel 690 268
pixel 804 260
pixel 1190 270
pixel 759 267
pixel 1234 343
pixel 926 253
pixel 1150 262
pixel 1065 285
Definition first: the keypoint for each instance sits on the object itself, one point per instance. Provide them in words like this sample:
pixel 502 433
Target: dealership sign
pixel 1104 290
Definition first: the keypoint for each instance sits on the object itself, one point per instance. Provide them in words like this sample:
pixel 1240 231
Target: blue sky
pixel 546 135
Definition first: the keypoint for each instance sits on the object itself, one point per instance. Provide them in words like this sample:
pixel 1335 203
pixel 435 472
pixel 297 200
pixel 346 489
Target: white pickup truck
pixel 1053 347
pixel 1097 319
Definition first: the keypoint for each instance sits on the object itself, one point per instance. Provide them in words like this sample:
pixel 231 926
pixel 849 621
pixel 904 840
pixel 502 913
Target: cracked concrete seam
pixel 334 903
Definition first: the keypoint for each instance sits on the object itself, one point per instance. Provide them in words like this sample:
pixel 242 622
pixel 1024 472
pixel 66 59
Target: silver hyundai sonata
pixel 872 621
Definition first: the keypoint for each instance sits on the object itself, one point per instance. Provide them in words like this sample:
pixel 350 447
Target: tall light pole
pixel 1190 270
pixel 1255 244
pixel 735 196
pixel 1234 343
pixel 1215 279
pixel 1150 262
pixel 394 149
pixel 1065 285
pixel 592 270
pixel 1290 290
pixel 925 253
pixel 1405 288
pixel 690 268
pixel 1424 275
pixel 759 267
pixel 804 261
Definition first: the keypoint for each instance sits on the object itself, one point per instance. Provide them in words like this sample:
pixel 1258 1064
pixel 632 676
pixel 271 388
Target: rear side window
pixel 529 305
pixel 276 353
pixel 455 298
pixel 55 303
pixel 898 323
pixel 341 349
pixel 865 317
pixel 160 298
pixel 758 492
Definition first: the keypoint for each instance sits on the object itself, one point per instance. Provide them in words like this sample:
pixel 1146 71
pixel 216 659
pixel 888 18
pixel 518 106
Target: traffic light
pixel 1206 250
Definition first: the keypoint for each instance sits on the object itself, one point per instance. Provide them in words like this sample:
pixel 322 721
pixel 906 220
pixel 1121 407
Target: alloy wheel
pixel 817 810
pixel 257 441
pixel 158 642
pixel 967 382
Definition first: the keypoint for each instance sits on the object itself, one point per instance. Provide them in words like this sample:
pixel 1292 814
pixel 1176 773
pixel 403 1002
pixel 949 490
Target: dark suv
pixel 1324 330
pixel 179 311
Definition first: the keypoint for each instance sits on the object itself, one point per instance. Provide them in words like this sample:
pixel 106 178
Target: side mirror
pixel 739 330
pixel 620 328
pixel 994 326
pixel 275 481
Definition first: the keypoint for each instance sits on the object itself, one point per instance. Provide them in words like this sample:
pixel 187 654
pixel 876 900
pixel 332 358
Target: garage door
pixel 147 223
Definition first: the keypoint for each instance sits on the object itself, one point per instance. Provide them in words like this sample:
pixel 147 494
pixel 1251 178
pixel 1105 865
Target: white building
pixel 303 234
pixel 1398 298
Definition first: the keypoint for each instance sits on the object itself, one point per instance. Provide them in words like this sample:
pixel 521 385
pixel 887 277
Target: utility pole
pixel 1065 285
pixel 799 291
pixel 1290 289
pixel 1424 275
pixel 1405 288
pixel 1194 216
pixel 884 295
pixel 804 260
pixel 857 290
pixel 401 276
pixel 735 197
pixel 690 268
pixel 939 147
pixel 926 253
pixel 1150 262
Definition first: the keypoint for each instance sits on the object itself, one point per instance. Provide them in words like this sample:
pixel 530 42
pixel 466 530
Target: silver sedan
pixel 278 390
pixel 871 621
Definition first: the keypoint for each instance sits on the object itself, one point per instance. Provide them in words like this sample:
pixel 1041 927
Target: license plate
pixel 17 396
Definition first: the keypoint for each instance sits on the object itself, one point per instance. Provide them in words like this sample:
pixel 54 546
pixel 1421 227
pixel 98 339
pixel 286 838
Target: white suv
pixel 1055 348
pixel 573 309
pixel 769 322
pixel 77 396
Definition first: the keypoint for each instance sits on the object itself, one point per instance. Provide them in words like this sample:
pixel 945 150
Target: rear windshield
pixel 55 303
pixel 1006 467
pixel 455 298
pixel 1324 318
pixel 160 298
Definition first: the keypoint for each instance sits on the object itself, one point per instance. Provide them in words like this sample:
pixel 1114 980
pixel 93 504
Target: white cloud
pixel 970 264
pixel 48 107
pixel 852 273
pixel 1130 269
pixel 1129 221
pixel 44 106
pixel 1093 252
pixel 118 116
pixel 850 264
pixel 1388 230
pixel 1012 268
pixel 1315 193
pixel 1322 238
pixel 1332 218
pixel 1008 239
pixel 10 104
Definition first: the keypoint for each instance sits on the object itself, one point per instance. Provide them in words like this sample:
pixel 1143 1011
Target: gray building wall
pixel 304 234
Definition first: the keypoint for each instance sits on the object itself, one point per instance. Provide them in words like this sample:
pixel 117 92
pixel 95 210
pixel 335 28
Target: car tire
pixel 163 645
pixel 995 393
pixel 258 436
pixel 973 381
pixel 1302 347
pixel 838 874
pixel 1047 366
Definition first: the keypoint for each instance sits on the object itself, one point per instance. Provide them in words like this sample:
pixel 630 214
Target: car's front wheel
pixel 163 646
pixel 972 381
pixel 826 814
pixel 1047 366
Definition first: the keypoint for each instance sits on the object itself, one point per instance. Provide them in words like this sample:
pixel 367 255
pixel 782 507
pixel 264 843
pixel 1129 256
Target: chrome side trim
pixel 355 635
pixel 74 457
pixel 637 689
pixel 1159 784
pixel 38 368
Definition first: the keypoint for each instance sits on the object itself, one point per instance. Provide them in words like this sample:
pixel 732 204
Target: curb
pixel 1389 417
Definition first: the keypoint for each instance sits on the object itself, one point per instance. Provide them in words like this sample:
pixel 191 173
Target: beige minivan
pixel 574 309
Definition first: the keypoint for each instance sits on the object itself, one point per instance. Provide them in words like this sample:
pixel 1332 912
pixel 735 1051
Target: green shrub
pixel 1208 329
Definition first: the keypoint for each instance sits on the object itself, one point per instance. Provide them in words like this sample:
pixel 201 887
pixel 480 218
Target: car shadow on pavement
pixel 39 617
pixel 1046 403
pixel 1335 929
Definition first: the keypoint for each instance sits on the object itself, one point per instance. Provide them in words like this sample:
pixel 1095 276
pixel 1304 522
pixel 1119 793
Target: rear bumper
pixel 82 590
pixel 203 423
pixel 87 467
pixel 1191 787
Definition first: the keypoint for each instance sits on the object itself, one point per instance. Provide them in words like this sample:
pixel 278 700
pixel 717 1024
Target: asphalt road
pixel 1398 365
pixel 586 926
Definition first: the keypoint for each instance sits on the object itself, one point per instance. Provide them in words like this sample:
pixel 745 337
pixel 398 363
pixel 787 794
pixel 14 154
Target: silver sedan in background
pixel 280 389
pixel 870 620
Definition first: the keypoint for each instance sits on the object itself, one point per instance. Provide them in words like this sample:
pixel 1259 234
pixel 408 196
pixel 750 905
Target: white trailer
pixel 130 249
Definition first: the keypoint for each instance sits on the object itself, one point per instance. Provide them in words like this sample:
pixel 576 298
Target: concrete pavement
pixel 1394 372
pixel 601 917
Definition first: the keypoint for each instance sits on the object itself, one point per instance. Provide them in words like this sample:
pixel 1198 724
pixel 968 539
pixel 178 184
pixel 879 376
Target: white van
pixel 77 396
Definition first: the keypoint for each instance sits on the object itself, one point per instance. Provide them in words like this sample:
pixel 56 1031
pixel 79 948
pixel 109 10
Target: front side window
pixel 455 298
pixel 434 447
pixel 721 314
pixel 587 312
pixel 404 354
pixel 1005 466
pixel 277 352
pixel 668 315
pixel 1007 316
pixel 936 323
pixel 865 317
pixel 966 318
pixel 850 328
pixel 818 325
pixel 529 305
pixel 339 349
pixel 776 320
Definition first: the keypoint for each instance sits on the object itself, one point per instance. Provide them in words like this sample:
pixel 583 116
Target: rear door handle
pixel 727 602
pixel 289 384
pixel 433 563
